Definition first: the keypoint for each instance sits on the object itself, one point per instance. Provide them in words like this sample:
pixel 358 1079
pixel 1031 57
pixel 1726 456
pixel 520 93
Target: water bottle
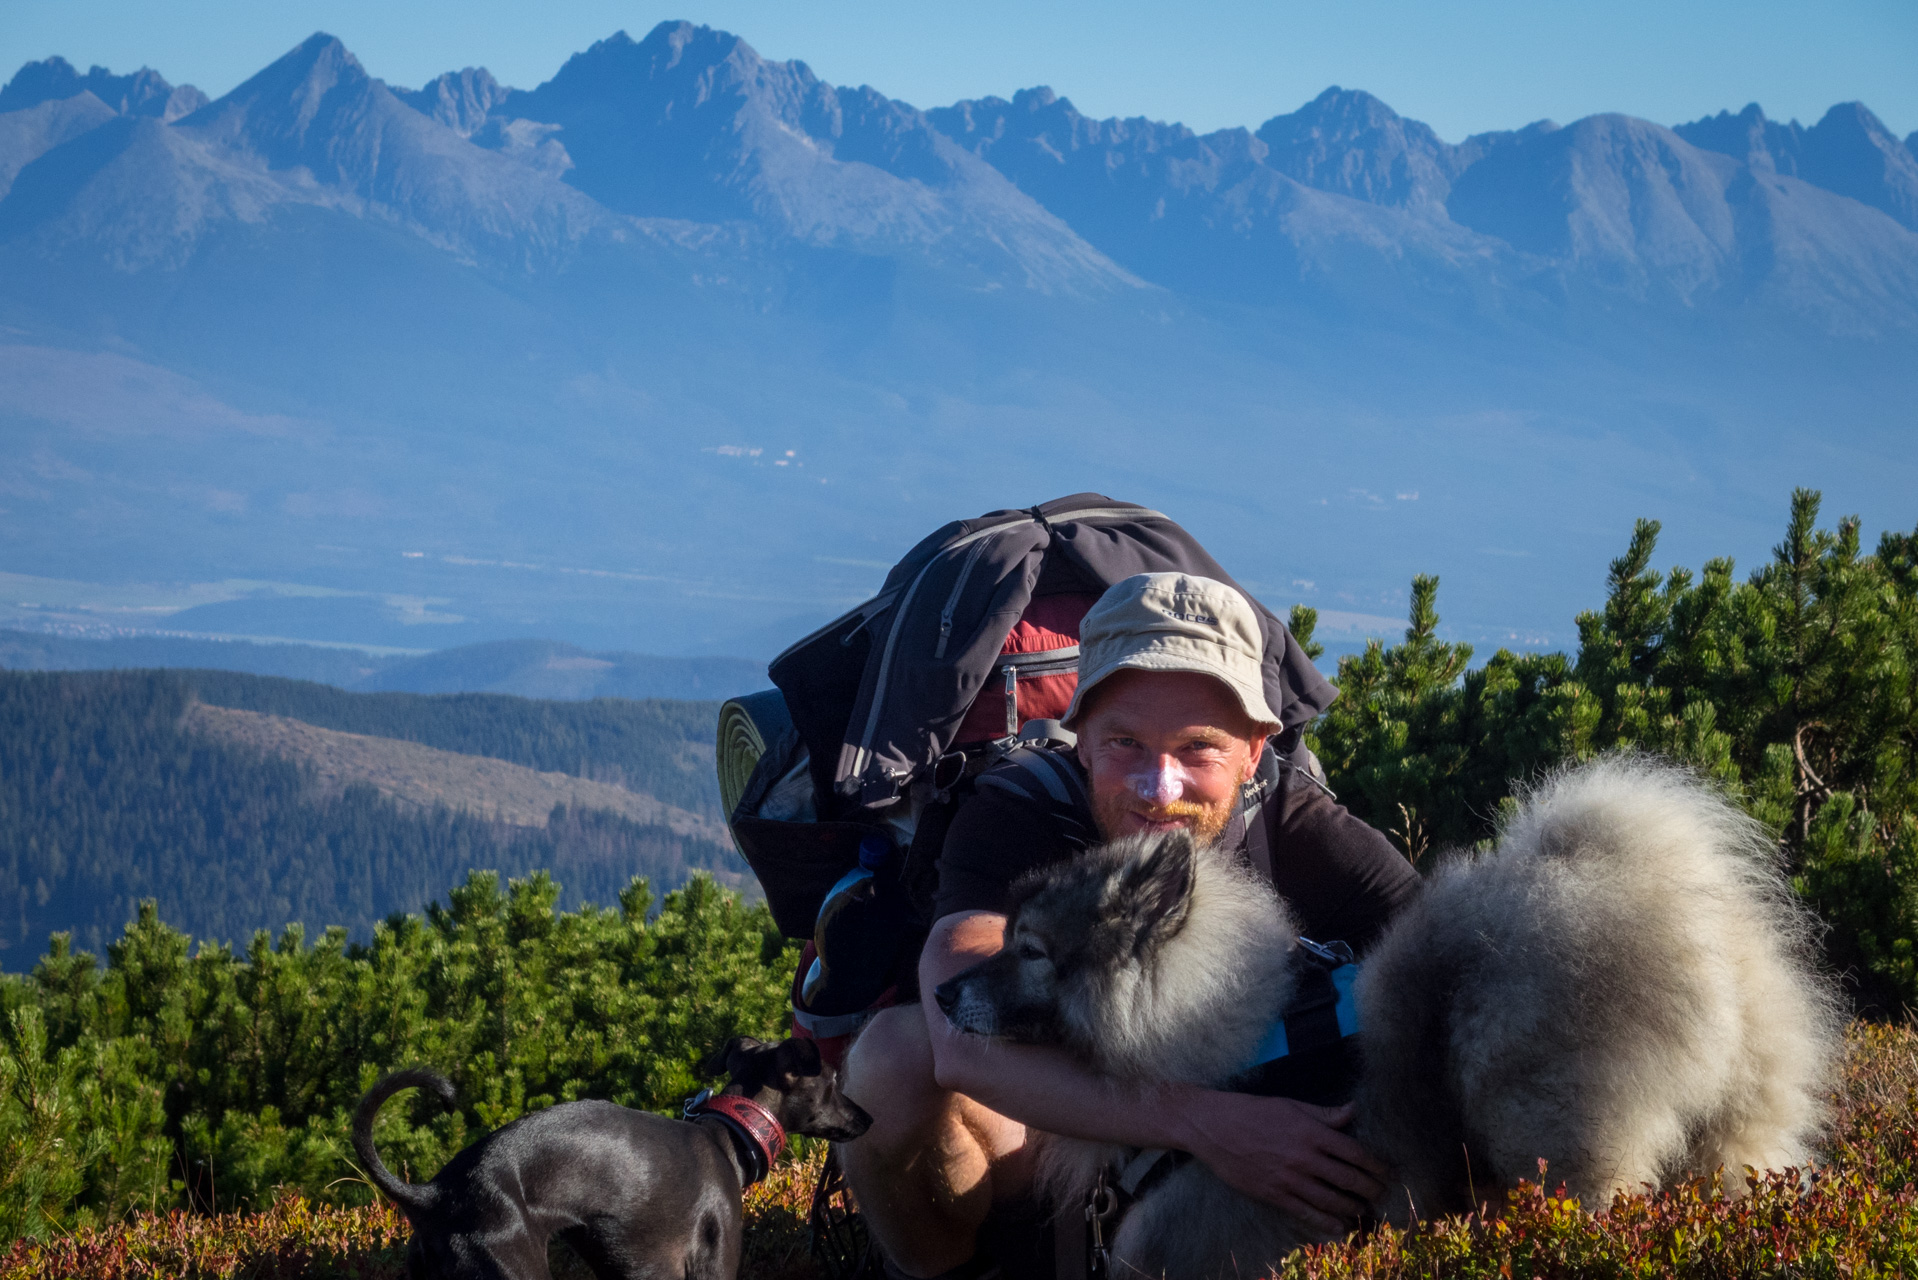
pixel 862 924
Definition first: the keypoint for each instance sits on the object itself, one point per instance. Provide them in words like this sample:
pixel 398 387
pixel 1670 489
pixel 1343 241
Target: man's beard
pixel 1206 822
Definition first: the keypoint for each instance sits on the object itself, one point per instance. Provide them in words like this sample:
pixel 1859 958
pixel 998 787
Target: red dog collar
pixel 759 1127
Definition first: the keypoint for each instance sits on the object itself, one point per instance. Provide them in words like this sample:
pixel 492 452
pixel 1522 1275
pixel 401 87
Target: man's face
pixel 1166 749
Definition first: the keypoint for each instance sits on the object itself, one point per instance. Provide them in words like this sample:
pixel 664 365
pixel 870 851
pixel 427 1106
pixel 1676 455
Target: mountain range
pixel 524 668
pixel 680 349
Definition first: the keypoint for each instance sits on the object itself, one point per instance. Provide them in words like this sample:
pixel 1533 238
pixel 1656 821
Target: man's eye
pixel 1029 950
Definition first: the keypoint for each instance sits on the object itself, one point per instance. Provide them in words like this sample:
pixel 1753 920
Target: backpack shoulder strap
pixel 1049 780
pixel 1255 812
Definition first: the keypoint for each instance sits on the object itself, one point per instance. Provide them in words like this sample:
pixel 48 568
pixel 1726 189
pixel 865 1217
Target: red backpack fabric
pixel 1046 639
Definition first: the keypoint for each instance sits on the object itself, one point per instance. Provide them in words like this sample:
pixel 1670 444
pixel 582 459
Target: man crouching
pixel 1173 730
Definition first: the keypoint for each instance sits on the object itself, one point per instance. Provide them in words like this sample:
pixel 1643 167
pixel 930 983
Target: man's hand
pixel 1286 1153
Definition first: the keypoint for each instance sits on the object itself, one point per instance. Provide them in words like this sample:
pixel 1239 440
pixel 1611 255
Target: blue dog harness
pixel 1310 1053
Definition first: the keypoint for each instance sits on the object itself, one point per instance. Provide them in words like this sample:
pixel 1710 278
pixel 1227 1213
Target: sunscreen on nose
pixel 1163 784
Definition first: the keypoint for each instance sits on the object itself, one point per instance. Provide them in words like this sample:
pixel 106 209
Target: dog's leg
pixel 513 1255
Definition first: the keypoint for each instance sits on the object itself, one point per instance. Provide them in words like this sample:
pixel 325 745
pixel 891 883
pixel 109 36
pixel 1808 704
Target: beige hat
pixel 1174 622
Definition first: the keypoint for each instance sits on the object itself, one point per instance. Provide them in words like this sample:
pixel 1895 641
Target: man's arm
pixel 1287 1153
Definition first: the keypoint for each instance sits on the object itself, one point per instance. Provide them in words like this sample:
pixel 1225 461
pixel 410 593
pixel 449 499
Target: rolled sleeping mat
pixel 746 725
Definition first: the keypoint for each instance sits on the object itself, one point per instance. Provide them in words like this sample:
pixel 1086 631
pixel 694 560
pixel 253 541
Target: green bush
pixel 1796 689
pixel 176 1076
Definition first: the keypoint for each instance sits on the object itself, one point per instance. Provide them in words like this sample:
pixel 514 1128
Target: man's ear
pixel 1257 743
pixel 1158 888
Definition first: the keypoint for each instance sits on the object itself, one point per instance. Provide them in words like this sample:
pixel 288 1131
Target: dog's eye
pixel 1030 950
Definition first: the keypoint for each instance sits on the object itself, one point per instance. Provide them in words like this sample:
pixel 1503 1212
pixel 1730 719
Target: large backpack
pixel 881 720
pixel 877 717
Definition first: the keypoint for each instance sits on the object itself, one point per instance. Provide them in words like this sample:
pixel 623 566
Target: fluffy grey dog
pixel 1622 987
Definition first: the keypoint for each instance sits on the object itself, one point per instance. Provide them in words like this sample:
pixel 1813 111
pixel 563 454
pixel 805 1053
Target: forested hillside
pixel 108 796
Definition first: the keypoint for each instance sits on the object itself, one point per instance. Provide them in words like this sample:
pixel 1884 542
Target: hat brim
pixel 1251 700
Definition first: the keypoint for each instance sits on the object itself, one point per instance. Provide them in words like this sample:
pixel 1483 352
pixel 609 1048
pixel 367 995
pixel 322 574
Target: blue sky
pixel 1460 68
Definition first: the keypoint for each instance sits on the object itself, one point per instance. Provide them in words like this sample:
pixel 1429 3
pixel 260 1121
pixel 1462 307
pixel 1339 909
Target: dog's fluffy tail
pixel 410 1198
pixel 1625 986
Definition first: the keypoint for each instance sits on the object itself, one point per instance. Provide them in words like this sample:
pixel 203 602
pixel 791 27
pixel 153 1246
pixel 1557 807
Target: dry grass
pixel 293 1238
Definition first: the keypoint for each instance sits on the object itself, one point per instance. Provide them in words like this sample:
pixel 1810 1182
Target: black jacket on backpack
pixel 877 695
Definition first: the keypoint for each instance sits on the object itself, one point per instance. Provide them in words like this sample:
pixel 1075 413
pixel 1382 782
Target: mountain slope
pixel 523 668
pixel 547 669
pixel 691 123
pixel 27 134
pixel 1208 214
pixel 1635 207
pixel 1849 151
pixel 1352 143
pixel 426 777
pixel 316 117
pixel 659 749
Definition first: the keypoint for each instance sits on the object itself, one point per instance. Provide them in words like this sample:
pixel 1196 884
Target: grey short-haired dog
pixel 1623 986
pixel 635 1194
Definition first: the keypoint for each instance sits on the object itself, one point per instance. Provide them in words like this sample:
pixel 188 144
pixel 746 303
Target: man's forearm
pixel 1043 1088
pixel 1039 1086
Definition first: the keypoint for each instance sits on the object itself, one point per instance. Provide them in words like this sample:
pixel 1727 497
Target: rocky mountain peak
pixel 460 100
pixel 143 93
pixel 1851 152
pixel 1348 141
pixel 315 107
pixel 1749 137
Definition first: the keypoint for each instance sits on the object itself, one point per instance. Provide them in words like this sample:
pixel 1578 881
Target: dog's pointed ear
pixel 724 1061
pixel 1158 888
pixel 795 1058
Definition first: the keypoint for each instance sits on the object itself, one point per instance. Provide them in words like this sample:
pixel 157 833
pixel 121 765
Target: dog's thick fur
pixel 635 1194
pixel 1623 987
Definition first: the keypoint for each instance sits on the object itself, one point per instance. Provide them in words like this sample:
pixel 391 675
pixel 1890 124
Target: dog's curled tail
pixel 407 1196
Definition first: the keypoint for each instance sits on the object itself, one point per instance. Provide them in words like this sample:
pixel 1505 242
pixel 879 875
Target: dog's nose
pixel 947 994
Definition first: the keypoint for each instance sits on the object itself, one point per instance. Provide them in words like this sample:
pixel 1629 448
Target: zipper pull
pixel 1012 700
